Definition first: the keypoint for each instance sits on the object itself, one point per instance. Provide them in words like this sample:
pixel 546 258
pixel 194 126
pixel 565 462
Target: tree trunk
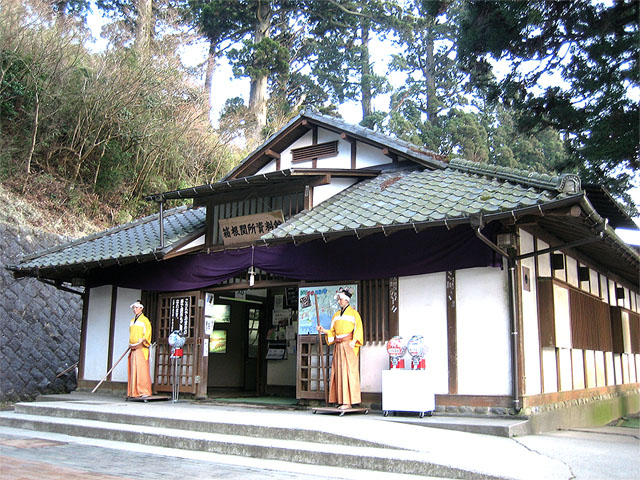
pixel 211 68
pixel 365 79
pixel 258 91
pixel 432 106
pixel 144 26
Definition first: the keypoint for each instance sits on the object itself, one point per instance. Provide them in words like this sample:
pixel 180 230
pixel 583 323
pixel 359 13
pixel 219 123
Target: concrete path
pixel 296 439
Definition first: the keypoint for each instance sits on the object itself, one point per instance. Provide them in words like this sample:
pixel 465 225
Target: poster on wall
pixel 327 306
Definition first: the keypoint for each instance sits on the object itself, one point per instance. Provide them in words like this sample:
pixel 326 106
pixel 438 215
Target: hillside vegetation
pixel 85 137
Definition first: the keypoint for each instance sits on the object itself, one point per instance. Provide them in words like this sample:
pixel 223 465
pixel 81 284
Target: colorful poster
pixel 327 306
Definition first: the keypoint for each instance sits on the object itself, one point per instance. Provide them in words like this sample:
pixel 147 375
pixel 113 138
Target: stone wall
pixel 39 325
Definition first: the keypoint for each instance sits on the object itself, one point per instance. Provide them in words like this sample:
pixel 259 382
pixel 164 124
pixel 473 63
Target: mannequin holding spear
pixel 347 334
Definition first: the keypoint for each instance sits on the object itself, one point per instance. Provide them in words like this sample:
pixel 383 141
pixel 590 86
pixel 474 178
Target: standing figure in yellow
pixel 348 336
pixel 139 379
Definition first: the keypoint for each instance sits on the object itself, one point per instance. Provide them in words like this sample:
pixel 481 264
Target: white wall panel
pixel 550 366
pixel 97 337
pixel 373 360
pixel 562 316
pixel 423 311
pixel 577 363
pixel 572 271
pixel 484 365
pixel 590 369
pixel 530 333
pixel 601 369
pixel 610 368
pixel 124 315
pixel 566 380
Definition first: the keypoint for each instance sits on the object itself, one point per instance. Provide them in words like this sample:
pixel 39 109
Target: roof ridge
pixel 105 233
pixel 566 182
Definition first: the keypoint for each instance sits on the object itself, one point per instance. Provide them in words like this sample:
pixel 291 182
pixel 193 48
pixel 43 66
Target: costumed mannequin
pixel 348 336
pixel 139 379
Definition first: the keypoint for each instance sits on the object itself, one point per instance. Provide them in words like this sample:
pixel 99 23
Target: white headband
pixel 344 296
pixel 136 304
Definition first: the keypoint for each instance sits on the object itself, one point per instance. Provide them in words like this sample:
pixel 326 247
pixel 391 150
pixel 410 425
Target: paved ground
pixel 26 455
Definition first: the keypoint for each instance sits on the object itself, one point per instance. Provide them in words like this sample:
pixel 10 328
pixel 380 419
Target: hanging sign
pixel 246 229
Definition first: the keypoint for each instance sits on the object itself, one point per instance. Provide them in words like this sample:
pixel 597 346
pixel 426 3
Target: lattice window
pixel 314 152
pixel 178 312
pixel 379 309
pixel 310 382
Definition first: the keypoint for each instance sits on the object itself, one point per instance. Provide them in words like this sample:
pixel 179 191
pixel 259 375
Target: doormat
pixel 259 400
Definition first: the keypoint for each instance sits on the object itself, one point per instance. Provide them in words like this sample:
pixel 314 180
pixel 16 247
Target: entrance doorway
pixel 235 324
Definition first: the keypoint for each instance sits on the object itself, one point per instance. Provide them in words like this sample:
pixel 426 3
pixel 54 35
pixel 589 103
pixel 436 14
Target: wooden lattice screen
pixel 310 383
pixel 379 309
pixel 177 312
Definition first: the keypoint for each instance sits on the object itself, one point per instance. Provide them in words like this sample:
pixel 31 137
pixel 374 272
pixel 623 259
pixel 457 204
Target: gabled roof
pixel 136 241
pixel 301 124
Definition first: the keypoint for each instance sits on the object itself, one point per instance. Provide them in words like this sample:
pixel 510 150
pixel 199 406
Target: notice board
pixel 327 306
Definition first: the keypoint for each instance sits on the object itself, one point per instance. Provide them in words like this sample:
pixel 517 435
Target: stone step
pixel 201 425
pixel 268 448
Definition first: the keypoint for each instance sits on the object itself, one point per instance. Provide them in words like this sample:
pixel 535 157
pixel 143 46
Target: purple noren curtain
pixel 377 256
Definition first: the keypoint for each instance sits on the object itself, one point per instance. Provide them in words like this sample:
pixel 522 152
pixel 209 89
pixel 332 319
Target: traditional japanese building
pixel 525 296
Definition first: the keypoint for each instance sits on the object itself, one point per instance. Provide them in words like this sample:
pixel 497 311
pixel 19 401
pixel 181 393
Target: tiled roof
pixel 132 241
pixel 415 198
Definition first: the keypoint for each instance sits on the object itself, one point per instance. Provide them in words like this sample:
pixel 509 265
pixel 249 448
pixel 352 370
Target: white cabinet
pixel 407 391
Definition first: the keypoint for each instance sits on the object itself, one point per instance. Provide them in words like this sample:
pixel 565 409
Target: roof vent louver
pixel 314 152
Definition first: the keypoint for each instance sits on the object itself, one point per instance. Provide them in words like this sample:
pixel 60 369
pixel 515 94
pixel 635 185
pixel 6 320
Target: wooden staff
pixel 320 352
pixel 111 370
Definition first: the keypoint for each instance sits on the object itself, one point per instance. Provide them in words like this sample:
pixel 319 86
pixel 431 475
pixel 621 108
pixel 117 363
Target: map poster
pixel 327 306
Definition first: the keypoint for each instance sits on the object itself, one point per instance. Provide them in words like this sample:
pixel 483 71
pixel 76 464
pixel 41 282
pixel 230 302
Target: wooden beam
pixel 271 153
pixel 452 331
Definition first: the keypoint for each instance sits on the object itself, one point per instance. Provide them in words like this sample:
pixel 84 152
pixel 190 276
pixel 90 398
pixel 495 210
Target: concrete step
pixel 269 448
pixel 202 425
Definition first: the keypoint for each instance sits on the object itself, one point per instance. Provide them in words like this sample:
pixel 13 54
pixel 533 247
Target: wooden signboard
pixel 248 228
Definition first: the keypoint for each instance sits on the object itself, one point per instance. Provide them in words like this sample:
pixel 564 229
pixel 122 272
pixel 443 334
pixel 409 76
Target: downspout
pixel 477 224
pixel 161 224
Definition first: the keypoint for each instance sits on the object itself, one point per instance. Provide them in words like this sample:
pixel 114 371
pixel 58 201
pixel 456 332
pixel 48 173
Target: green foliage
pixel 571 66
pixel 115 126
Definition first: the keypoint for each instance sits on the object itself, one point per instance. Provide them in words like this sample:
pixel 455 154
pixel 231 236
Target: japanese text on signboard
pixel 249 228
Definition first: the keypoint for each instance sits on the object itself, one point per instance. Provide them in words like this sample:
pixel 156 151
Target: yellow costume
pixel 139 379
pixel 346 327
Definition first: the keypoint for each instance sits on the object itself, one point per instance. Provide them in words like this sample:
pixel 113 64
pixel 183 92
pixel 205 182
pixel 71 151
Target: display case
pixel 407 391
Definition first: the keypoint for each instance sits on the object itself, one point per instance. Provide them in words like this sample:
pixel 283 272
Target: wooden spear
pixel 320 352
pixel 111 370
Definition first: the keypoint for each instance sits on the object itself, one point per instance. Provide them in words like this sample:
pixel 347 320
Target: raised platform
pixel 339 411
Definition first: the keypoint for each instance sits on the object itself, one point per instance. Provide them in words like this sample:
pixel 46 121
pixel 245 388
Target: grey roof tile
pixel 135 239
pixel 396 198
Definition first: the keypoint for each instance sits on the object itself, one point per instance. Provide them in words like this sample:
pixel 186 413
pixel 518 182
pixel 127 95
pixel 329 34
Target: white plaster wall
pixel 610 368
pixel 601 369
pixel 544 261
pixel 550 370
pixel 565 369
pixel 373 359
pixel 97 344
pixel 369 156
pixel 323 192
pixel 572 271
pixel 124 315
pixel 423 311
pixel 577 365
pixel 617 367
pixel 530 333
pixel 484 365
pixel 593 279
pixel 604 289
pixel 562 316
